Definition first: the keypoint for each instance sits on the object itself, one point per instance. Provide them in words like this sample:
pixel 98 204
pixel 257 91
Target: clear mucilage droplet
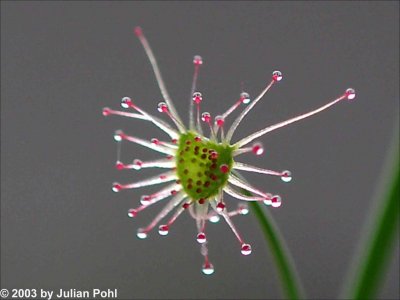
pixel 206 117
pixel 163 229
pixel 246 249
pixel 132 213
pixel 245 98
pixel 277 75
pixel 257 148
pixel 201 237
pixel 243 209
pixel 141 234
pixel 351 93
pixel 276 201
pixel 162 107
pixel 197 97
pixel 125 102
pixel 116 187
pixel 208 269
pixel 118 135
pixel 286 176
pixel 197 60
pixel 214 219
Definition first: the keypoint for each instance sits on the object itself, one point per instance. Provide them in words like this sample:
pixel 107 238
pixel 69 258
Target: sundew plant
pixel 204 172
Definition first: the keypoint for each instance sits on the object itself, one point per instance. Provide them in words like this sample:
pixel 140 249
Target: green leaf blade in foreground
pixel 379 244
pixel 287 271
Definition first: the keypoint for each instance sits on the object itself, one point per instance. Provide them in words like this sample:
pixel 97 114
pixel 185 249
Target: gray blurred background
pixel 61 225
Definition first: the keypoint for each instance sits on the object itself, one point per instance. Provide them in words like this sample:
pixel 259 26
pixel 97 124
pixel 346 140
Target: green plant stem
pixel 379 243
pixel 288 275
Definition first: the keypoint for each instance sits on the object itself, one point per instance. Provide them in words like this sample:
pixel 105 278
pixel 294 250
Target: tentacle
pixel 245 167
pixel 165 163
pixel 257 148
pixel 161 178
pixel 244 185
pixel 229 190
pixel 244 98
pixel 261 132
pixel 108 111
pixel 120 135
pixel 148 200
pixel 175 201
pixel 245 248
pixel 197 62
pixel 126 102
pixel 157 73
pixel 242 209
pixel 245 111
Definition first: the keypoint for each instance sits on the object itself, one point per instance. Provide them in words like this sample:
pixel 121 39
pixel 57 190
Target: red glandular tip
pixel 163 229
pixel 201 238
pixel 277 76
pixel 257 149
pixel 138 31
pixel 116 187
pixel 246 249
pixel 276 201
pixel 197 60
pixel 126 102
pixel 206 117
pixel 197 97
pixel 106 111
pixel 219 120
pixel 145 199
pixel 162 107
pixel 350 94
pixel 224 168
pixel 132 213
pixel 119 165
pixel 214 155
pixel 137 164
pixel 220 206
pixel 286 176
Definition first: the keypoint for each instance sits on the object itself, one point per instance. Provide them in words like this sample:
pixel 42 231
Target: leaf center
pixel 203 166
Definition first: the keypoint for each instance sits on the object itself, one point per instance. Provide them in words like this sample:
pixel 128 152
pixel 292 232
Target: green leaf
pixel 290 282
pixel 379 243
